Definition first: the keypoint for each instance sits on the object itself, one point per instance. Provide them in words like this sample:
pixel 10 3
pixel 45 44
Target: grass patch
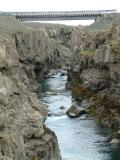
pixel 88 52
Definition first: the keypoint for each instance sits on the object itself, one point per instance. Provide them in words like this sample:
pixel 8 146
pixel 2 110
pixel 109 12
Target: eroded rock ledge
pixel 26 55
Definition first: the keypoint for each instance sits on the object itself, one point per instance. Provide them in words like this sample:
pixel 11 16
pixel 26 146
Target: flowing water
pixel 79 138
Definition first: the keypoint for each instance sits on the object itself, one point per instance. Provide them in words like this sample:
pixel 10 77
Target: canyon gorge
pixel 89 56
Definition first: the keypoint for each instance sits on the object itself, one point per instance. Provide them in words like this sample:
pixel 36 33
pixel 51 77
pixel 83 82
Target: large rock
pixel 75 111
pixel 3 96
pixel 115 141
pixel 2 54
pixel 4 158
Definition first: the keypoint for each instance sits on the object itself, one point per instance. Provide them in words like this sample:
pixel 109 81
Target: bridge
pixel 55 16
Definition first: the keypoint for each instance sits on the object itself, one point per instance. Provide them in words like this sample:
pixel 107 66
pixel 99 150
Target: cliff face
pixel 43 47
pixel 60 39
pixel 95 71
pixel 24 53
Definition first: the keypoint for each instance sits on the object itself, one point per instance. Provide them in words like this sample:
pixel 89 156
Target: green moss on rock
pixel 88 52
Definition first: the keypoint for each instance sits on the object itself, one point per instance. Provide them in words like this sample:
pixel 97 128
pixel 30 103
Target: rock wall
pixel 26 55
pixel 45 48
pixel 60 38
pixel 94 76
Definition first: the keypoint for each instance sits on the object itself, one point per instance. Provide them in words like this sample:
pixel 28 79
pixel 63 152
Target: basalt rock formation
pixel 94 75
pixel 26 55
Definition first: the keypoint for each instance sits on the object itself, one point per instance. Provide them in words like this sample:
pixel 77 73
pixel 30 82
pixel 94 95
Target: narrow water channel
pixel 79 138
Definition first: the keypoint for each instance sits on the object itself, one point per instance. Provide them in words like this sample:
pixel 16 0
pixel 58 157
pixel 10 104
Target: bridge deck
pixel 53 16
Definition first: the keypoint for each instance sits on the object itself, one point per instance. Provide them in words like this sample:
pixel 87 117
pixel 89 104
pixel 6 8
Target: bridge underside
pixel 56 17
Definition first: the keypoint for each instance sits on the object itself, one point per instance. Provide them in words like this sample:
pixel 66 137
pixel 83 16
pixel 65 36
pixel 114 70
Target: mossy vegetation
pixel 115 47
pixel 92 110
pixel 81 92
pixel 88 52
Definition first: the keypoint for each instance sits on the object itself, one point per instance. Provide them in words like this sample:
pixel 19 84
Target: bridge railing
pixel 60 12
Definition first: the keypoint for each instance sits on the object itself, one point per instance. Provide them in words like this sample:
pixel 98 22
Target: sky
pixel 59 5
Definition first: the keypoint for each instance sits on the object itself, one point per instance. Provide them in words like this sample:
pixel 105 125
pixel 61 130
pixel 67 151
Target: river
pixel 78 138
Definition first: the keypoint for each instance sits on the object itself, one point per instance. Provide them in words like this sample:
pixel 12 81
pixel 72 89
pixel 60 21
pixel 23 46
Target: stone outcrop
pixel 114 141
pixel 60 39
pixel 26 55
pixel 95 70
pixel 75 111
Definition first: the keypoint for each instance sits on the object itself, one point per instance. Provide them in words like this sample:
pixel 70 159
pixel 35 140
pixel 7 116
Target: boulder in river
pixel 62 107
pixel 115 141
pixel 50 114
pixel 63 73
pixel 51 93
pixel 75 111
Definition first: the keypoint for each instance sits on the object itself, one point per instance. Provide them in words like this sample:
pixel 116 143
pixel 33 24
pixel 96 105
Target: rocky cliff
pixel 95 70
pixel 26 55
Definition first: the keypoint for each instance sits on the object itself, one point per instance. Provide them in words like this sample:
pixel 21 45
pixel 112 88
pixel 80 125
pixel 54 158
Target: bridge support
pixel 98 18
